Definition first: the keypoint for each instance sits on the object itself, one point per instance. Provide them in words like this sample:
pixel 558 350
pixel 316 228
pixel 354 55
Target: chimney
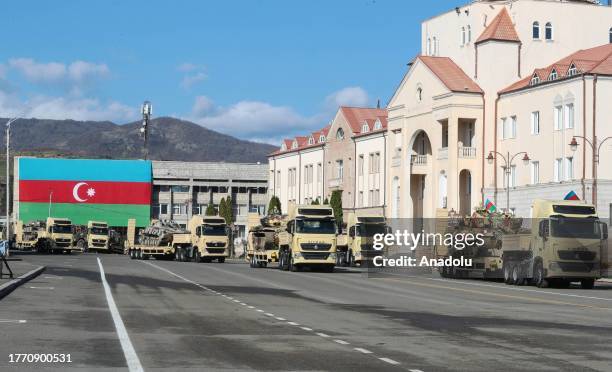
pixel 378 103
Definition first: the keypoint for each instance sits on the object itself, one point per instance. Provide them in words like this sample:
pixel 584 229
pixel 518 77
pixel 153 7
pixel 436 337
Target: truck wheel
pixel 221 259
pixel 351 262
pixel 587 283
pixel 507 273
pixel 252 261
pixel 517 279
pixel 139 254
pixel 294 268
pixel 177 254
pixel 538 276
pixel 281 261
pixel 197 257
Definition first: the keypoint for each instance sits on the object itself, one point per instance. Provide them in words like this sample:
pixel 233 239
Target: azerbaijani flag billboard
pixel 84 190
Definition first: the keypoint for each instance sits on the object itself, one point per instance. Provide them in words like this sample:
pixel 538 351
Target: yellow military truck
pixel 154 240
pixel 262 247
pixel 357 245
pixel 28 234
pixel 95 236
pixel 563 246
pixel 55 235
pixel 309 239
pixel 206 240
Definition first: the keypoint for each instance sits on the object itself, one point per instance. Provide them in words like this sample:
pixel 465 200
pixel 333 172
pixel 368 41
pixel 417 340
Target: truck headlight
pixel 297 255
pixel 332 256
pixel 554 266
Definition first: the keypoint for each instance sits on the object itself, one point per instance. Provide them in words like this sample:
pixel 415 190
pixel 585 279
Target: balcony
pixel 396 161
pixel 467 152
pixel 418 160
pixel 335 182
pixel 443 153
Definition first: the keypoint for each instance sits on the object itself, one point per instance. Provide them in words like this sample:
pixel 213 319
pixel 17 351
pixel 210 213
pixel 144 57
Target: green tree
pixel 222 208
pixel 274 207
pixel 229 211
pixel 336 203
pixel 210 210
pixel 325 201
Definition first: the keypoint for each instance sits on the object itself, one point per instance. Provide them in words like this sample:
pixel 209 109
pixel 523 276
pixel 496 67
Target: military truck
pixel 309 238
pixel 154 240
pixel 94 236
pixel 55 235
pixel 206 240
pixel 356 246
pixel 262 239
pixel 563 245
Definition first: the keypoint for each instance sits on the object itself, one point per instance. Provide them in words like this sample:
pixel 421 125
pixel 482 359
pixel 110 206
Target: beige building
pixel 473 82
pixel 348 154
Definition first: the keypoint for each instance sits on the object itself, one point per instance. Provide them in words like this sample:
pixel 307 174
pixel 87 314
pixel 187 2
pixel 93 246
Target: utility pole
pixel 508 163
pixel 147 111
pixel 596 148
pixel 8 182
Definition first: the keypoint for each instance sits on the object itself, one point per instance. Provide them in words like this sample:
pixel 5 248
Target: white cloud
pixel 202 106
pixel 187 67
pixel 192 74
pixel 349 96
pixel 73 74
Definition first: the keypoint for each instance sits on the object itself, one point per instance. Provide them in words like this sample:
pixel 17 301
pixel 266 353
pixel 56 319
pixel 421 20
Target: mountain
pixel 169 139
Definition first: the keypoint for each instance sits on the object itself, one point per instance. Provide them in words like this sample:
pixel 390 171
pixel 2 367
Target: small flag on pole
pixel 489 206
pixel 571 196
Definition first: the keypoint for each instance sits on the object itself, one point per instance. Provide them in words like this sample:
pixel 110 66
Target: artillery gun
pixel 160 233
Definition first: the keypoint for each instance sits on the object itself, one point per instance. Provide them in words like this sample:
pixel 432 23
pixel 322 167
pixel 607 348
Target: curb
pixel 7 288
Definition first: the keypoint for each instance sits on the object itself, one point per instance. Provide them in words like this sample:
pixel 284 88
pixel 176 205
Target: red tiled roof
pixel 597 60
pixel 356 116
pixel 451 75
pixel 500 28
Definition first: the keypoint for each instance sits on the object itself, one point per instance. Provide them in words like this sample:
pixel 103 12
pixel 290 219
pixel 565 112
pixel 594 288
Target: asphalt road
pixel 189 316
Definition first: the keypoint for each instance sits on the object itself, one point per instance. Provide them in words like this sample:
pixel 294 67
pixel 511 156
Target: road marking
pixel 131 357
pixel 524 298
pixel 251 307
pixel 52 277
pixel 390 361
pixel 237 301
pixel 361 350
pixel 243 304
pixel 414 370
pixel 293 323
pixel 260 310
pixel 281 319
pixel 269 314
pixel 32 287
pixel 342 342
pixel 20 321
pixel 306 328
pixel 322 334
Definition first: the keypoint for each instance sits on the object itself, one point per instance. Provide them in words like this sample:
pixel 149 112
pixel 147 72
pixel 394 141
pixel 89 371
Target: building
pixel 486 72
pixel 184 189
pixel 348 155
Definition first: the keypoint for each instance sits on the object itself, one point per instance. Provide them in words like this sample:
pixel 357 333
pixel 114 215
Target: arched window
pixel 534 79
pixel 340 134
pixel 377 125
pixel 469 37
pixel 321 138
pixel 365 128
pixel 536 30
pixel 429 46
pixel 462 35
pixel 419 94
pixel 572 70
pixel 553 75
pixel 435 47
pixel 294 145
pixel 548 29
pixel 610 34
pixel 311 141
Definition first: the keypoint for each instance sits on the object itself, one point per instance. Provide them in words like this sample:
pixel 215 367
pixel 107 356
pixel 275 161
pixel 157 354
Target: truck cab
pixel 206 241
pixel 97 235
pixel 361 229
pixel 59 235
pixel 309 239
pixel 564 246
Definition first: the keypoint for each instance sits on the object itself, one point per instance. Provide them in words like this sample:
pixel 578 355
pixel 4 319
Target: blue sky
pixel 258 70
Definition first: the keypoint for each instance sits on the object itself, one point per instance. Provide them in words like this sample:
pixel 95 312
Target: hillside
pixel 169 139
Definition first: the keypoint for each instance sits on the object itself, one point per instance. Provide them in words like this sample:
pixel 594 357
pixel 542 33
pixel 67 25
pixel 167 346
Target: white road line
pixel 342 342
pixel 414 370
pixel 269 314
pixel 52 277
pixel 243 304
pixel 32 287
pixel 279 318
pixel 20 321
pixel 322 334
pixel 293 323
pixel 361 350
pixel 237 301
pixel 260 310
pixel 251 307
pixel 306 328
pixel 390 361
pixel 131 357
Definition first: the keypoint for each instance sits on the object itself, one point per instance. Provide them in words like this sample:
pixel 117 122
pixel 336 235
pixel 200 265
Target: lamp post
pixel 596 148
pixel 147 111
pixel 8 179
pixel 508 163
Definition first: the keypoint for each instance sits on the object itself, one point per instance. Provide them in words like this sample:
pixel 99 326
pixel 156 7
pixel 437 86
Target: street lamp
pixel 596 148
pixel 508 163
pixel 147 111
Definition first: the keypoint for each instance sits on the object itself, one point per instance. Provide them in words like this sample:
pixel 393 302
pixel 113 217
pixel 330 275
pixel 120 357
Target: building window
pixel 463 36
pixel 548 29
pixel 360 200
pixel 435 46
pixel 535 122
pixel 419 94
pixel 513 176
pixel 535 172
pixel 340 134
pixel 163 209
pixel 428 46
pixel 180 188
pixel 536 30
pixel 179 209
pixel 502 129
pixel 311 140
pixel 339 169
pixel 509 127
pixel 294 145
pixel 569 116
pixel 319 172
pixel 377 125
pixel 553 75
pixel 535 79
pixel 360 165
pixel 558 118
pixel 365 128
pixel 558 170
pixel 469 34
pixel 569 168
pixel 321 138
pixel 513 127
pixel 572 70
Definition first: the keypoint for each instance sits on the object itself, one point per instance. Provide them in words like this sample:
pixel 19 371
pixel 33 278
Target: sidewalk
pixel 23 271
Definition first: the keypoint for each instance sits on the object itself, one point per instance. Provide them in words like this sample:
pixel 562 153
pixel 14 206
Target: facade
pixel 470 93
pixel 184 189
pixel 348 154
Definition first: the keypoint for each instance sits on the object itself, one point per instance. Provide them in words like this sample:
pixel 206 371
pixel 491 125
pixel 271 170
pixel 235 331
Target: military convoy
pixel 55 235
pixel 562 243
pixel 205 240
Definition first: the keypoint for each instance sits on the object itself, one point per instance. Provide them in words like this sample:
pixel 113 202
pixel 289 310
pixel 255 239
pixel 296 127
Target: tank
pixel 159 233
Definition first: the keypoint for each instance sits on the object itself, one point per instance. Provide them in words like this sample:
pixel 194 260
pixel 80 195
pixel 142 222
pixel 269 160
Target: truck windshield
pixel 315 226
pixel 213 230
pixel 369 230
pixel 61 229
pixel 567 227
pixel 98 231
